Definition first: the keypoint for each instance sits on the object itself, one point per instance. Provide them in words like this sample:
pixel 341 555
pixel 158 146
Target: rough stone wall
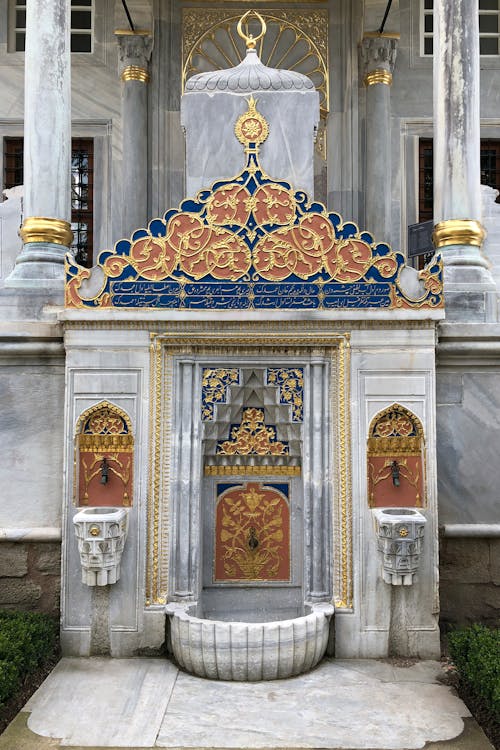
pixel 30 576
pixel 469 581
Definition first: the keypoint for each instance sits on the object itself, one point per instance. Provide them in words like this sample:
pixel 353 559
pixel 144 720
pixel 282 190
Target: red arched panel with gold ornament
pixel 104 447
pixel 396 459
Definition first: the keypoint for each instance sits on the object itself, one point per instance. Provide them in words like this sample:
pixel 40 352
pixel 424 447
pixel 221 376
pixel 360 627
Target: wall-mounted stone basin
pixel 400 538
pixel 248 651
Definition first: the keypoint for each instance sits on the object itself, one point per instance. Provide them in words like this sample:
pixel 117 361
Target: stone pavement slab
pixel 335 705
pixel 101 701
pixel 341 705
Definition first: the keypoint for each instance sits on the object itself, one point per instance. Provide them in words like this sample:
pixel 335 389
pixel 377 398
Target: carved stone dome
pixel 250 75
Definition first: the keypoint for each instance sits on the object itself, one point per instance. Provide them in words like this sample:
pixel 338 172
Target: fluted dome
pixel 250 75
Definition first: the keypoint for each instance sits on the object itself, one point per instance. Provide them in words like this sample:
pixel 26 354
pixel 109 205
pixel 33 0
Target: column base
pixel 40 265
pixel 469 288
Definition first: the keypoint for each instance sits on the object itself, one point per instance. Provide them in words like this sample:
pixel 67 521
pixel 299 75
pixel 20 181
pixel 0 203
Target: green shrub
pixel 476 654
pixel 27 640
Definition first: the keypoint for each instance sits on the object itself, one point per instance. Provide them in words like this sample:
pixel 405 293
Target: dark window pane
pixel 81 19
pixel 82 186
pixel 428 4
pixel 81 43
pixel 13 162
pixel 490 163
pixel 490 173
pixel 425 168
pixel 488 45
pixel 20 19
pixel 20 41
pixel 80 243
pixel 428 23
pixel 77 3
pixel 488 4
pixel 488 24
pixel 428 45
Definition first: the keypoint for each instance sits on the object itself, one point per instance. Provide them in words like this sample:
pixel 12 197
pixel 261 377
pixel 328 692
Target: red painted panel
pixel 252 534
pixel 382 491
pixel 117 491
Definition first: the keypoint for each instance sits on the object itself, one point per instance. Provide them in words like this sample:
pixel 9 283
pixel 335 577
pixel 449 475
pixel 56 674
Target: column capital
pixel 134 52
pixel 378 56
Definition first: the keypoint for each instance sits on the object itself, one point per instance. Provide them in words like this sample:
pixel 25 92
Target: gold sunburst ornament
pixel 251 128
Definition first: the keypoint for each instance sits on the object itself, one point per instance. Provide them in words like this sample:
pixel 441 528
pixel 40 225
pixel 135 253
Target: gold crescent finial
pixel 250 40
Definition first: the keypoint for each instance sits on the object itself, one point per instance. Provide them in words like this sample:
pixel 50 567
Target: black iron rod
pixel 129 17
pixel 381 30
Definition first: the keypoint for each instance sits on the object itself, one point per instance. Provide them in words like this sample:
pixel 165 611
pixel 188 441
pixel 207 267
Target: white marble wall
pixel 468 427
pixel 390 366
pixel 31 419
pixel 111 365
pixel 10 220
pixel 491 222
pixel 213 152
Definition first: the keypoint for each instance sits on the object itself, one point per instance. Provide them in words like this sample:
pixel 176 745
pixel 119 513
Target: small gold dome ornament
pixel 250 40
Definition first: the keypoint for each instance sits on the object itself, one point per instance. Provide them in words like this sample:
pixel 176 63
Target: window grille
pixel 489 27
pixel 81 25
pixel 490 173
pixel 82 190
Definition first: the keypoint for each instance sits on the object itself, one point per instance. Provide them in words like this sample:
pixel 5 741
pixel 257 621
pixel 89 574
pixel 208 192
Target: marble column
pixel 458 232
pixel 46 229
pixel 378 55
pixel 134 54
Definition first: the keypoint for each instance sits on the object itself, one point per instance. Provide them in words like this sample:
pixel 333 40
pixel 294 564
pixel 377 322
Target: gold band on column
pixel 135 73
pixel 42 229
pixel 458 232
pixel 378 76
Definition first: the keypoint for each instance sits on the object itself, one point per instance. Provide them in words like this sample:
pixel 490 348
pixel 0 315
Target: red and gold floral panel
pixel 252 532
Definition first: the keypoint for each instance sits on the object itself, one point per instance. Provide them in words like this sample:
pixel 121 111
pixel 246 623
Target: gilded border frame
pixel 164 347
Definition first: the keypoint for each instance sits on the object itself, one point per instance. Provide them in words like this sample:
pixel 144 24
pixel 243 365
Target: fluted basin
pixel 248 651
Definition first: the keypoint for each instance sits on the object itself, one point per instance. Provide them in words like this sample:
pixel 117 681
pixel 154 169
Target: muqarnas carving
pixel 396 465
pixel 104 457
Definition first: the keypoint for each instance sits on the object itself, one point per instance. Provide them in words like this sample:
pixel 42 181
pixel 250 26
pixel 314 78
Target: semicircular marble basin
pixel 248 651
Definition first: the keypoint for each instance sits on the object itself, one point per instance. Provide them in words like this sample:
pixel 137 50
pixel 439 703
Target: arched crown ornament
pixel 249 39
pixel 252 242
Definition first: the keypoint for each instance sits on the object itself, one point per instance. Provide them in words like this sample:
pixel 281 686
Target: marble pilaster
pixel 134 53
pixel 378 54
pixel 186 488
pixel 316 469
pixel 46 230
pixel 469 286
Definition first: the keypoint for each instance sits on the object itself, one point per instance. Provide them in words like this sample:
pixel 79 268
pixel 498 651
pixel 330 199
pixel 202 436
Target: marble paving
pixel 103 702
pixel 355 704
